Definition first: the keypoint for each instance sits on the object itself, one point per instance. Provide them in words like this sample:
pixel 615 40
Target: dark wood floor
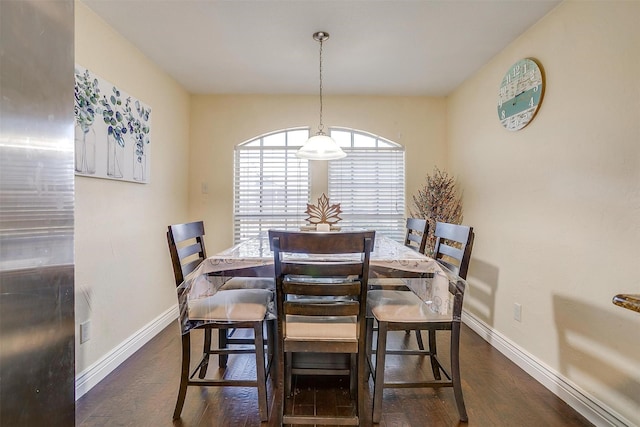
pixel 142 392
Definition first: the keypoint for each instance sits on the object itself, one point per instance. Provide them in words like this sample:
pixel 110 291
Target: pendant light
pixel 320 146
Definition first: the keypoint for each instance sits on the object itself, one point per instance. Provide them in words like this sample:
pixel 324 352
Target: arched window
pixel 271 184
pixel 369 183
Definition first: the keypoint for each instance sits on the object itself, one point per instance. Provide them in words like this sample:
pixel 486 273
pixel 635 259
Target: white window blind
pixel 369 183
pixel 271 184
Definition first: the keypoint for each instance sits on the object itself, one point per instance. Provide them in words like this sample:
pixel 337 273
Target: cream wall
pixel 556 206
pixel 123 271
pixel 219 122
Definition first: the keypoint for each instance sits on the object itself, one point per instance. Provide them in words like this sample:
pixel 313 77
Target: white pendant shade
pixel 320 147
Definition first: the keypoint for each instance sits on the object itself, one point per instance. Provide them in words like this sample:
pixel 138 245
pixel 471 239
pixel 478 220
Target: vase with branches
pixel 116 130
pixel 85 107
pixel 439 200
pixel 139 130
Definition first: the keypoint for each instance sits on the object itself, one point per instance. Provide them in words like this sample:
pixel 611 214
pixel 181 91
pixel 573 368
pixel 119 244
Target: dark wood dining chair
pixel 417 231
pixel 401 310
pixel 321 303
pixel 452 249
pixel 416 238
pixel 240 307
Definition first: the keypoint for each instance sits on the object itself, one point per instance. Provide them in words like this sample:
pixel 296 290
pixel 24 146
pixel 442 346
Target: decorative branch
pixel 438 201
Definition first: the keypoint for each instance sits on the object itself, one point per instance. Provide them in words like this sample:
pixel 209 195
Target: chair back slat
pixel 337 268
pixel 450 251
pixel 187 251
pixel 320 243
pixel 323 288
pixel 186 231
pixel 455 258
pixel 189 267
pixel 314 308
pixel 186 246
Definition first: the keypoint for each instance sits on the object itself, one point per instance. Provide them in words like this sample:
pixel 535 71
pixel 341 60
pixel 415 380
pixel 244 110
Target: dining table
pixel 252 260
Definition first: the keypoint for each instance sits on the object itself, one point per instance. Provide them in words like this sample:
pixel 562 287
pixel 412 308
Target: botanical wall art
pixel 112 131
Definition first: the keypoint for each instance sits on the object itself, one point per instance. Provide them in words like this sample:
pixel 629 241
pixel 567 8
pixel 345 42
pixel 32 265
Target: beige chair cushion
pixel 231 305
pixel 249 283
pixel 321 328
pixel 401 306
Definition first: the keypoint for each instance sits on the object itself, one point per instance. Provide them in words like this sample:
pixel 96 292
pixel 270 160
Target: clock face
pixel 520 94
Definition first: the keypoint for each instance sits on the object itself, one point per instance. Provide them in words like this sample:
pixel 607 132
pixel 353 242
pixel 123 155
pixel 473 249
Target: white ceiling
pixel 376 47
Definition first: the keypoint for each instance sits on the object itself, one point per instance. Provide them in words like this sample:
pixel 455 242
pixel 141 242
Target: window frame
pixel 273 208
pixel 380 165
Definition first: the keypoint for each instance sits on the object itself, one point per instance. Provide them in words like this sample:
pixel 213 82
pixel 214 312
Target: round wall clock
pixel 520 94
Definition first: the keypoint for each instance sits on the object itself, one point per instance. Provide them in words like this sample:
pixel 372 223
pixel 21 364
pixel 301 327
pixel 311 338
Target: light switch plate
pixel 85 331
pixel 517 312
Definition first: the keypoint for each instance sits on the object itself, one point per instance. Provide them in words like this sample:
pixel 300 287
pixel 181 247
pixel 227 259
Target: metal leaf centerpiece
pixel 323 213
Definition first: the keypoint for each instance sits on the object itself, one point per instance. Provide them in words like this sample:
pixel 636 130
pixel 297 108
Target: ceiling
pixel 376 47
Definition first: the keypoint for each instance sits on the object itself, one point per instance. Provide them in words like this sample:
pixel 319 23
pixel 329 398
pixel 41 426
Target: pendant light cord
pixel 320 146
pixel 320 126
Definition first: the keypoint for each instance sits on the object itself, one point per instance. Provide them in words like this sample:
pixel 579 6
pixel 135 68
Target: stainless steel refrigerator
pixel 36 213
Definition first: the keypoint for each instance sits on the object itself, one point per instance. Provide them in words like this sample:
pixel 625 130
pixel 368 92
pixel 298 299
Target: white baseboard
pixel 95 373
pixel 596 412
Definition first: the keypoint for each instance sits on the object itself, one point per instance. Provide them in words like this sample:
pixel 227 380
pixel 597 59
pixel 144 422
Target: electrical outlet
pixel 517 312
pixel 85 331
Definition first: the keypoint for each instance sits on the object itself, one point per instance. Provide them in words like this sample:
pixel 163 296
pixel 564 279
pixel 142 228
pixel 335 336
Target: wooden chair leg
pixel 270 331
pixel 455 371
pixel 433 353
pixel 274 351
pixel 369 348
pixel 261 375
pixel 353 375
pixel 362 380
pixel 288 376
pixel 378 387
pixel 184 375
pixel 280 374
pixel 222 343
pixel 206 346
pixel 419 339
